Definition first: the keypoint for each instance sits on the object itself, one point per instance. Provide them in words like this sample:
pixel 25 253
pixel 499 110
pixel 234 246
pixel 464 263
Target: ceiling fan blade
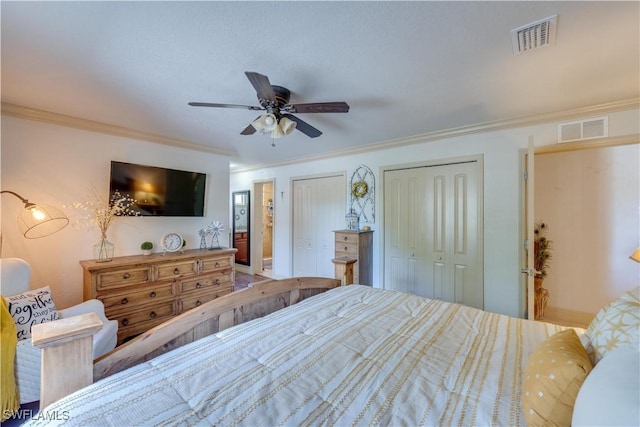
pixel 304 127
pixel 249 130
pixel 262 86
pixel 318 107
pixel 210 104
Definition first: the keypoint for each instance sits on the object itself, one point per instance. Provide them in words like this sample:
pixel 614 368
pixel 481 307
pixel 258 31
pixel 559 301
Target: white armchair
pixel 15 274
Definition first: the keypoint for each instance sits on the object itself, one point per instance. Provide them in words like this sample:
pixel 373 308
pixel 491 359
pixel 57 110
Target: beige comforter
pixel 351 356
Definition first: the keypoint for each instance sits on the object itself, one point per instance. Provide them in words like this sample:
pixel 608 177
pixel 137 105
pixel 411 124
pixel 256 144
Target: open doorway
pixel 263 219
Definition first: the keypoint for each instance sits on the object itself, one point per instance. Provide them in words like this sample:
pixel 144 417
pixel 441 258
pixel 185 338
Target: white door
pixel 432 235
pixel 318 209
pixel 452 259
pixel 405 231
pixel 529 268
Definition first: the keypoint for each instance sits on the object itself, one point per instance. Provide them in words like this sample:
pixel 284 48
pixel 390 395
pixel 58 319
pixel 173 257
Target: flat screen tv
pixel 159 191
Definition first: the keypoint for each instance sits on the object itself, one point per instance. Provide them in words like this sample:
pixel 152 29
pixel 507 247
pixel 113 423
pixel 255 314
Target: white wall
pixel 503 290
pixel 590 199
pixel 55 165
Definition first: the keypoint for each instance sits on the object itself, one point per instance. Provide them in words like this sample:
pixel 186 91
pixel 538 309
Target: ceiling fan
pixel 279 119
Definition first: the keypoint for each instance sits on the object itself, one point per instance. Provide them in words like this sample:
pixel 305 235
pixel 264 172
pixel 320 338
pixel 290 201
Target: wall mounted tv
pixel 159 191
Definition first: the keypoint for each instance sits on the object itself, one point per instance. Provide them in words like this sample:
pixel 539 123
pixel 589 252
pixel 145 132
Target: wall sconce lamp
pixel 36 221
pixel 636 255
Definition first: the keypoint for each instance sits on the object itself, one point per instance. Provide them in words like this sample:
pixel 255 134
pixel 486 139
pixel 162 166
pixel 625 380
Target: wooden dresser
pixel 358 245
pixel 141 292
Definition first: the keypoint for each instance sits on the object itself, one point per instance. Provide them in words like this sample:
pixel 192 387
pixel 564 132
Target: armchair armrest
pixel 89 306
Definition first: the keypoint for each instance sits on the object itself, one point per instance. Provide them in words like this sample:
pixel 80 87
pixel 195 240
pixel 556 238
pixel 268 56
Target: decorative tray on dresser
pixel 142 291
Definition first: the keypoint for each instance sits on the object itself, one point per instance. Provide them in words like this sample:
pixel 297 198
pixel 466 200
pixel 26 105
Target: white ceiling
pixel 405 68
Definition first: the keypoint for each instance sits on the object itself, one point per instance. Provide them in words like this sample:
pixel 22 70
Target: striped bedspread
pixel 351 356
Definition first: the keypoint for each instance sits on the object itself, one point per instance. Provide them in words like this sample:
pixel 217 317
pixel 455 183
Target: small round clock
pixel 171 242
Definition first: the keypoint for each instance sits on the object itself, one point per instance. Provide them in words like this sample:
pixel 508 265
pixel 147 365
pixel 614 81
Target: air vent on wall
pixel 535 35
pixel 583 129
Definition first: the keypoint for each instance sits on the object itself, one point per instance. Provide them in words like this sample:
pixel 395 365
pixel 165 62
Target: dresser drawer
pixel 123 277
pixel 213 264
pixel 189 302
pixel 346 249
pixel 176 269
pixel 158 312
pixel 131 299
pixel 206 282
pixel 348 238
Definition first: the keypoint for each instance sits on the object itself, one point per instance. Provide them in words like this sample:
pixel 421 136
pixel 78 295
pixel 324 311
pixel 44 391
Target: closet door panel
pixel 432 232
pixel 467 274
pixel 304 261
pixel 405 231
pixel 318 209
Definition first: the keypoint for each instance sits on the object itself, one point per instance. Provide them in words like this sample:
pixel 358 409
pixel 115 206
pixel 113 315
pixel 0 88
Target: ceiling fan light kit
pixel 278 119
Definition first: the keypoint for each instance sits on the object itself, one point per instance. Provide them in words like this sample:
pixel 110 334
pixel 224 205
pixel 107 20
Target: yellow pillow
pixel 615 325
pixel 553 376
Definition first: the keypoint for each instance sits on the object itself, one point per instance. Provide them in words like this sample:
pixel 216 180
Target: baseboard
pixel 563 316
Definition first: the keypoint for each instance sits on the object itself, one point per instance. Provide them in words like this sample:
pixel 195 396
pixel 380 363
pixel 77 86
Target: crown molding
pixel 34 114
pixel 610 107
pixel 27 113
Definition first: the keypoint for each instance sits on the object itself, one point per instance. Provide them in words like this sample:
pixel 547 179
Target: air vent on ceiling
pixel 535 35
pixel 583 129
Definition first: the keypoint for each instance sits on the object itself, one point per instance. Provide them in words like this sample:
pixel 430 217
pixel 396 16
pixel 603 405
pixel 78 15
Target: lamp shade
pixel 37 221
pixel 265 123
pixel 287 125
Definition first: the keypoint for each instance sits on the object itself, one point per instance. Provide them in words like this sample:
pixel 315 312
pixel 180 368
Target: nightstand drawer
pixel 176 269
pixel 346 249
pixel 346 238
pixel 124 277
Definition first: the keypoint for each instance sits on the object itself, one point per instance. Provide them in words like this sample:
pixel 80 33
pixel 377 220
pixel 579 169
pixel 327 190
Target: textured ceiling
pixel 405 68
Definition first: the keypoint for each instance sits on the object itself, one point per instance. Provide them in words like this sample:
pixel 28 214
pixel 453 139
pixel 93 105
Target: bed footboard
pixel 232 309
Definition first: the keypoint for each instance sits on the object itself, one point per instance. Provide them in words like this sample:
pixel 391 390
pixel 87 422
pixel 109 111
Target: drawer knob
pixel 126 276
pixel 124 301
pixel 125 321
pixel 217 264
pixel 217 281
pixel 152 314
pixel 152 294
pixel 198 285
pixel 346 238
pixel 176 270
pixel 346 248
pixel 198 303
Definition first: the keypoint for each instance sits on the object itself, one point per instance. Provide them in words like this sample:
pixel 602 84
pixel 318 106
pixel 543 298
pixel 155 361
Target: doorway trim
pixel 256 225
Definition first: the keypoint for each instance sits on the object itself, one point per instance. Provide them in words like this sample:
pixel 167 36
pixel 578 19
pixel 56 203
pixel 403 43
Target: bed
pixel 353 355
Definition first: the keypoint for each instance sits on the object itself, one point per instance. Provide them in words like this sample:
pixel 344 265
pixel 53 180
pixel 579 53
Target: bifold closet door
pixel 318 209
pixel 431 232
pixel 405 231
pixel 452 224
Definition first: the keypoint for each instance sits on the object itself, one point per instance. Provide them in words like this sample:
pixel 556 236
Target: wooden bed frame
pixel 67 343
